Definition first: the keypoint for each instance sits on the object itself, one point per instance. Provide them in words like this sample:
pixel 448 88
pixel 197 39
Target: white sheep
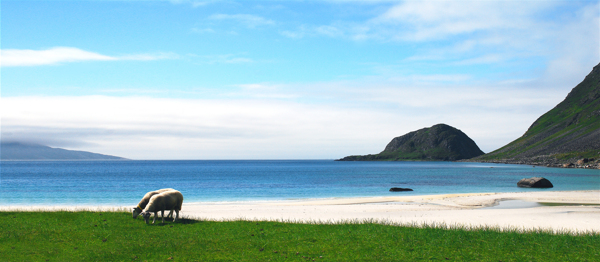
pixel 138 209
pixel 169 200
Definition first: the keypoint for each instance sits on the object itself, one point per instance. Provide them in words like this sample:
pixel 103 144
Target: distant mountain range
pixel 440 142
pixel 568 133
pixel 23 151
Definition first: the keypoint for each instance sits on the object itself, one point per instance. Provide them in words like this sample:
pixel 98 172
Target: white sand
pixel 465 210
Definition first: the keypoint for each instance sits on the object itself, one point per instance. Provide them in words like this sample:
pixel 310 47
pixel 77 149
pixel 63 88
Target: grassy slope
pixel 115 236
pixel 554 133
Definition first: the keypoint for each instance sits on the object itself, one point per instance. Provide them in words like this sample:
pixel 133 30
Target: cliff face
pixel 439 142
pixel 568 132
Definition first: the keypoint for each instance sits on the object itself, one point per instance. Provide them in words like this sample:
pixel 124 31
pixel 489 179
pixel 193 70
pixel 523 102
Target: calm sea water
pixel 125 182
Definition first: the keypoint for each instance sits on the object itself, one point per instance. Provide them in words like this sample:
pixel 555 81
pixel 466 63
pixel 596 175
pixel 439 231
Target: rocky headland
pixel 440 142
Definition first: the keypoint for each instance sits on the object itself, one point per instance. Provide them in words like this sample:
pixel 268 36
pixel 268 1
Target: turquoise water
pixel 125 182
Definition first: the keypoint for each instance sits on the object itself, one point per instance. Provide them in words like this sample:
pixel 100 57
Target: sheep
pixel 138 209
pixel 169 200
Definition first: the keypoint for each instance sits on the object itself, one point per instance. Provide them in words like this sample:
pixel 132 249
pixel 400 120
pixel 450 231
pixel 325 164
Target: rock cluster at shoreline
pixel 586 163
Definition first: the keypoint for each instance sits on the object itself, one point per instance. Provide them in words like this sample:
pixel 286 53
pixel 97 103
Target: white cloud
pixel 433 78
pixel 312 31
pixel 300 32
pixel 149 57
pixel 154 128
pixel 459 33
pixel 247 20
pixel 203 30
pixel 434 20
pixel 292 34
pixel 328 30
pixel 57 55
pixel 227 59
pixel 193 3
pixel 484 59
pixel 563 35
pixel 16 57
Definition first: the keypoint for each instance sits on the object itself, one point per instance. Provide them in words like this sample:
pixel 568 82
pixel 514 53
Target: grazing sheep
pixel 170 200
pixel 138 209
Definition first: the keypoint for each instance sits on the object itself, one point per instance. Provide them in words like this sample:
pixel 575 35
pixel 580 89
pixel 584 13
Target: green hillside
pixel 568 132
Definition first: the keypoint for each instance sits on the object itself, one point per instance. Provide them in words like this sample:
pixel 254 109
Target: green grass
pixel 115 236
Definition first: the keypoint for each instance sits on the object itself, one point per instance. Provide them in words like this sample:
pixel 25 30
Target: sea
pixel 123 183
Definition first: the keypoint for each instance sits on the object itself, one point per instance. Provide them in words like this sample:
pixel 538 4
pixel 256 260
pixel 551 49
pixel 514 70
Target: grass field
pixel 115 236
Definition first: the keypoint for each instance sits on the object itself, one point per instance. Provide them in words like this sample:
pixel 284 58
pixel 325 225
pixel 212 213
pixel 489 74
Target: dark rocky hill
pixel 22 151
pixel 439 142
pixel 567 133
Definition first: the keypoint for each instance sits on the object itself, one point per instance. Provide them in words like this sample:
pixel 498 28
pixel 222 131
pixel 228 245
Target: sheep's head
pixel 136 212
pixel 146 216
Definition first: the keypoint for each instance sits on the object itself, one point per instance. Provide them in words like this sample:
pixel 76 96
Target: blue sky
pixel 284 79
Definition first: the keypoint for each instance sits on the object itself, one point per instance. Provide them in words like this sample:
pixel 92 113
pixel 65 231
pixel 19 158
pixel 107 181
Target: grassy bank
pixel 115 236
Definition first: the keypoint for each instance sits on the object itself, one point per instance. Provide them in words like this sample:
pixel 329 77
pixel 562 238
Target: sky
pixel 284 79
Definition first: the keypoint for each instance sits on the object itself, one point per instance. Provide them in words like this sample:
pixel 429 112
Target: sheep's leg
pixel 170 214
pixel 162 213
pixel 176 215
pixel 155 214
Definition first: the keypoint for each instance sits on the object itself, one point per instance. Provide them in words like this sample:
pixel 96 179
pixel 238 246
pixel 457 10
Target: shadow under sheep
pixel 169 221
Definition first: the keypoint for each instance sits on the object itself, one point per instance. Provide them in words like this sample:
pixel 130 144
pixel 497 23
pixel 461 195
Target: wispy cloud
pixel 203 30
pixel 193 3
pixel 226 59
pixel 27 57
pixel 250 21
pixel 58 55
pixel 466 33
pixel 316 30
pixel 429 20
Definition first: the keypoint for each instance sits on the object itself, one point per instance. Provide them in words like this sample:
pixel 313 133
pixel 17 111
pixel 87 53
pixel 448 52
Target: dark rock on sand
pixel 535 182
pixel 399 189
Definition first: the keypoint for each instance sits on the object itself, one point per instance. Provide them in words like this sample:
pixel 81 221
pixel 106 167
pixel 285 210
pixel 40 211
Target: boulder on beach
pixel 399 189
pixel 535 182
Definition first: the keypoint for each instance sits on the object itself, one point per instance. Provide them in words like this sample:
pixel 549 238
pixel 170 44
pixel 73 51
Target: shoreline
pixel 565 211
pixel 583 163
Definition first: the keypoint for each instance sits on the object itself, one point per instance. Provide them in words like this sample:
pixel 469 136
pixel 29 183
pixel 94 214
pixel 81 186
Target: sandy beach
pixel 559 211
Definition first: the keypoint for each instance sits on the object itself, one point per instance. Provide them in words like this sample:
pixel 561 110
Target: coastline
pixel 583 163
pixel 557 211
